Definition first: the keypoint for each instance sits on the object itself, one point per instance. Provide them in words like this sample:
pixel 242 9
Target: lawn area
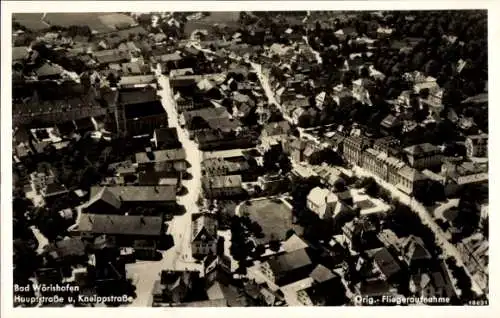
pixel 274 217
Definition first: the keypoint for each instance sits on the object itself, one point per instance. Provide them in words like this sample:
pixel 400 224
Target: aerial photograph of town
pixel 253 158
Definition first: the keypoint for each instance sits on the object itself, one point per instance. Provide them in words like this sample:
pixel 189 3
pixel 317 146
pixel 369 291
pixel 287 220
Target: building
pixel 459 174
pixel 126 229
pixel 139 111
pixel 408 178
pixel 384 264
pixel 272 183
pixel 204 234
pixel 477 145
pixel 53 104
pixel 295 148
pixel 287 268
pixel 325 204
pixel 204 113
pixel 224 166
pixel 214 139
pixel 173 287
pixel 162 160
pixel 222 186
pixel 103 201
pixel 353 149
pixel 414 252
pixel 382 165
pixel 423 156
pixel 166 138
pixel 141 196
pixel 429 284
pixel 474 250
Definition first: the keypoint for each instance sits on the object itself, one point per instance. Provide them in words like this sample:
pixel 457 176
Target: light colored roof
pixel 320 196
pixel 322 274
pixel 294 243
pixel 161 156
pixel 137 79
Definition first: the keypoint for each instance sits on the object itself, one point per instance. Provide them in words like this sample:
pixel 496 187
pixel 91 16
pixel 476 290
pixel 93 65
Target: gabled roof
pixel 204 224
pixel 320 196
pixel 294 243
pixel 321 274
pixel 49 69
pixel 414 249
pixel 138 95
pixel 161 155
pixel 385 261
pixel 167 136
pixel 290 261
pixel 19 53
pixel 140 193
pixel 107 196
pixel 420 149
pixel 120 224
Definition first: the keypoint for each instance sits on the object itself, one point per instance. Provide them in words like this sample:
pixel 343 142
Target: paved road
pixel 179 256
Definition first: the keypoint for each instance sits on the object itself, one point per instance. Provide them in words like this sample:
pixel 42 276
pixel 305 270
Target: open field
pixel 229 19
pixel 273 215
pixel 98 21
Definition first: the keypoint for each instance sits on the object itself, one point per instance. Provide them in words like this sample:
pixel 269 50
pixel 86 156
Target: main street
pixel 178 257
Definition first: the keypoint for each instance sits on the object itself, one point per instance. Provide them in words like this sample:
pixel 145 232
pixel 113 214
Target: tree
pixel 305 121
pixel 428 192
pixel 340 185
pixel 274 245
pixel 113 79
pixel 275 160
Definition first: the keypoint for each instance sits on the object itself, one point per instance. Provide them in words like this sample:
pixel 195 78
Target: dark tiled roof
pixel 146 109
pixel 107 196
pixel 55 189
pixel 138 95
pixel 140 193
pixel 386 262
pixel 167 137
pixel 290 261
pixel 120 224
pixel 70 247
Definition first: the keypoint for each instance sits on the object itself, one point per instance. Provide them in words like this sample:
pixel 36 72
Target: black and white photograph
pixel 247 158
